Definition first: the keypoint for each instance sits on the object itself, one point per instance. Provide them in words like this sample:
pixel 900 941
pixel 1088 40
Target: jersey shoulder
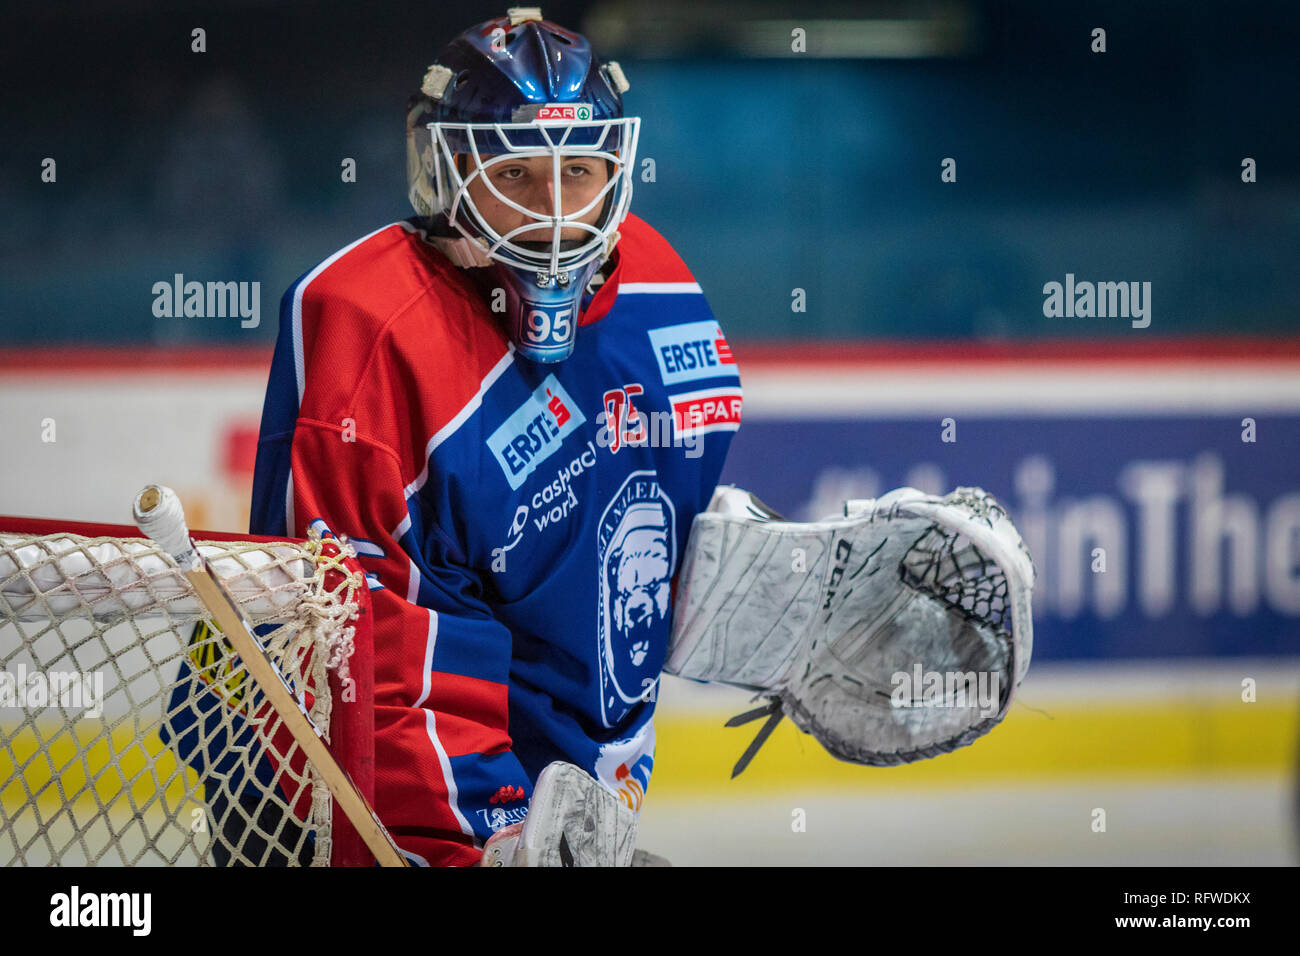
pixel 647 256
pixel 369 282
pixel 389 322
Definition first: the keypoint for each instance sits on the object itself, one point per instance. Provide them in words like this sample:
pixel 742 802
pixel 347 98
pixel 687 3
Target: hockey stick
pixel 158 514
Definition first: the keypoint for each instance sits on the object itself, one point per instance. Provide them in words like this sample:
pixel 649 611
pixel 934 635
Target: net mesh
pixel 131 734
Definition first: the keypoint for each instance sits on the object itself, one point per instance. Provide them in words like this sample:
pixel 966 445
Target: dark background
pixel 774 170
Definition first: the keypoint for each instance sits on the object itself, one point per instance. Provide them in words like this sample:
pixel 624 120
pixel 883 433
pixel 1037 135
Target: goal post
pixel 131 733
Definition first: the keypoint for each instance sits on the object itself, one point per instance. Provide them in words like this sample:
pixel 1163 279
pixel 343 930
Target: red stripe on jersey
pixel 478 704
pixel 407 772
pixel 643 256
pixel 650 258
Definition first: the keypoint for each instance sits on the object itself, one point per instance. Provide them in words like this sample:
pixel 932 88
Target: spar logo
pixel 691 351
pixel 705 411
pixel 534 431
pixel 564 113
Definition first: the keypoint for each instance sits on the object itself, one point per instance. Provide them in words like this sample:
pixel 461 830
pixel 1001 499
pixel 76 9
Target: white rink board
pixel 1205 822
pixel 116 433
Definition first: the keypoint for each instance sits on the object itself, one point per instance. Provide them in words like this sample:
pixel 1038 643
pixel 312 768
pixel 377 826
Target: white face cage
pixel 489 144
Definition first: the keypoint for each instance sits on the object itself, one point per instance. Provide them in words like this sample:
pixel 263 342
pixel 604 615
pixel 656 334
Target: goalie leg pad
pixel 572 821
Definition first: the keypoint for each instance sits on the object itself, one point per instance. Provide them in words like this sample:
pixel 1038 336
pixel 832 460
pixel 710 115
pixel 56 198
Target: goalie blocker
pixel 836 621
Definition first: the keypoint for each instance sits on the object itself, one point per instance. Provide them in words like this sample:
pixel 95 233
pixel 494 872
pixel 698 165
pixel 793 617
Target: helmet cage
pixel 489 144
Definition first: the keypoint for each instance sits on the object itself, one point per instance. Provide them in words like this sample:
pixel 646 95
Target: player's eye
pixel 509 174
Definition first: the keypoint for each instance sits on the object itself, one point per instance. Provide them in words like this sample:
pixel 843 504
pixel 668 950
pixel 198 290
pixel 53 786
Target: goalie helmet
pixel 520 87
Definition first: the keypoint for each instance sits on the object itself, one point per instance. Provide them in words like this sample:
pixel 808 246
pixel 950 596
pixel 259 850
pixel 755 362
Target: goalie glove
pixel 835 621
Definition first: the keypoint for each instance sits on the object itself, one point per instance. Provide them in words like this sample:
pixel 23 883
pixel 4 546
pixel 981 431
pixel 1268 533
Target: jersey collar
pixel 603 300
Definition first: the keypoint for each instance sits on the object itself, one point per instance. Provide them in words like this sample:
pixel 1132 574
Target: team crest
pixel 637 553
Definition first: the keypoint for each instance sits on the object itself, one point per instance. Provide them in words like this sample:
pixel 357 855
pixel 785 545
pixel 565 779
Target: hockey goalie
pixel 516 406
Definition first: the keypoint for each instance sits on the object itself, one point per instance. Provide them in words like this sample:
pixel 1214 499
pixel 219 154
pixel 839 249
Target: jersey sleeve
pixel 339 451
pixel 445 776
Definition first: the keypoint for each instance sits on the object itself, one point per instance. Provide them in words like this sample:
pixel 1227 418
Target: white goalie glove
pixel 895 633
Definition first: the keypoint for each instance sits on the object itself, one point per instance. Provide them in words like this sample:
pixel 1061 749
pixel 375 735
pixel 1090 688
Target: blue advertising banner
pixel 1173 532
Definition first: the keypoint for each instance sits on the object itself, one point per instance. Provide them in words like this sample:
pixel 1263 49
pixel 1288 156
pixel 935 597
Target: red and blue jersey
pixel 520 524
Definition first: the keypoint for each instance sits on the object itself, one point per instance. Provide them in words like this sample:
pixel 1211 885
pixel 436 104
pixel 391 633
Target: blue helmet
pixel 520 87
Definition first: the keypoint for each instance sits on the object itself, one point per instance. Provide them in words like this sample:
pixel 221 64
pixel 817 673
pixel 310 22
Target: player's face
pixel 528 181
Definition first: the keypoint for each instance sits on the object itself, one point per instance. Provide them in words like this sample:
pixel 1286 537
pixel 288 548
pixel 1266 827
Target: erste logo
pixel 534 431
pixel 691 351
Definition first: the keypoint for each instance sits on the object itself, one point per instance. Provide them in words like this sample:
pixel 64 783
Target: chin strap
pixel 610 243
pixel 465 253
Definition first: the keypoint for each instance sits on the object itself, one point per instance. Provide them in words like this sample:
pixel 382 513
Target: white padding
pixel 572 821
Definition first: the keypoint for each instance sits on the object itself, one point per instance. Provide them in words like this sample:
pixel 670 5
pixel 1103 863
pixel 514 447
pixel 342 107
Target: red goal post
pixel 117 774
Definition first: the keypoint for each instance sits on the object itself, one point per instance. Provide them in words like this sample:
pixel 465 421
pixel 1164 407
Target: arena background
pixel 868 302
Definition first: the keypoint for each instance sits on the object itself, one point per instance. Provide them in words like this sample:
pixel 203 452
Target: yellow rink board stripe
pixel 696 753
pixel 113 769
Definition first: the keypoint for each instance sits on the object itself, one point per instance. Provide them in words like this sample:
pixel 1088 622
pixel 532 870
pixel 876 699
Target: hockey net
pixel 130 733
